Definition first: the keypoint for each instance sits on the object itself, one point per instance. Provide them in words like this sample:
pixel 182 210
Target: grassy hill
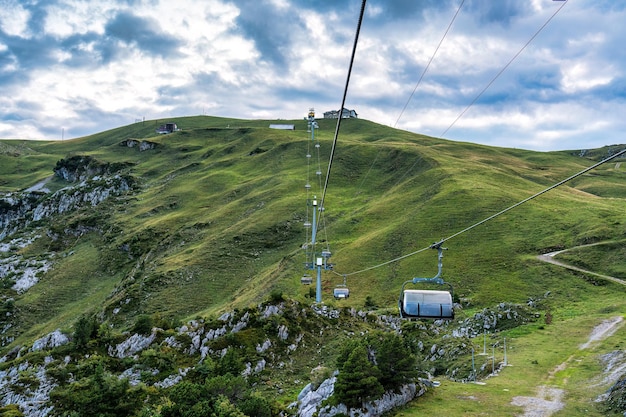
pixel 214 222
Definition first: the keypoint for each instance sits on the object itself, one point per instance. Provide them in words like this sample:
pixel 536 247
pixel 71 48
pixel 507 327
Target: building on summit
pixel 345 114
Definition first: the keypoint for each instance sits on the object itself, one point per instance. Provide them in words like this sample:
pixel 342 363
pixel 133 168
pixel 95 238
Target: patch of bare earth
pixel 603 330
pixel 549 400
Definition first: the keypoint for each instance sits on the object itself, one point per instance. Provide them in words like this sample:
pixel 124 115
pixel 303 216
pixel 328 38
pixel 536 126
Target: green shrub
pixel 162 359
pixel 143 325
pixel 230 363
pixel 276 297
pixel 232 387
pixel 319 375
pixel 85 329
pixel 11 410
pixel 394 360
pixel 255 406
pixel 100 394
pixel 369 302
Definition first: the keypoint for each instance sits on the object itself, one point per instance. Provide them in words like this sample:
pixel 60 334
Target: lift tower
pixel 314 260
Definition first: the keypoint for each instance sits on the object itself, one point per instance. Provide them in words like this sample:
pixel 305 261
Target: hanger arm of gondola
pixel 433 280
pixel 437 245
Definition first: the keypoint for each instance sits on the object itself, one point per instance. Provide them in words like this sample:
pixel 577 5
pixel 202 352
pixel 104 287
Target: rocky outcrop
pixel 50 341
pixel 616 396
pixel 28 385
pixel 310 401
pixel 18 210
pixel 14 207
pixel 91 192
pixel 23 273
pixel 32 399
pixel 142 145
pixel 284 334
pixel 614 373
pixel 84 167
pixel 132 345
pixel 503 316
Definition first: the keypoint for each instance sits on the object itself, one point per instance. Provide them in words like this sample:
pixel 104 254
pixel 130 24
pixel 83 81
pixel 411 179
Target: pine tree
pixel 395 362
pixel 358 379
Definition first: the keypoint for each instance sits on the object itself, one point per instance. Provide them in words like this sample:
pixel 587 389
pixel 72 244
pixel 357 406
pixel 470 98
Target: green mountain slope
pixel 216 218
pixel 212 220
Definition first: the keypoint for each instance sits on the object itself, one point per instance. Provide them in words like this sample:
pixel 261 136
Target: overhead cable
pixel 419 81
pixel 429 62
pixel 502 70
pixel 343 103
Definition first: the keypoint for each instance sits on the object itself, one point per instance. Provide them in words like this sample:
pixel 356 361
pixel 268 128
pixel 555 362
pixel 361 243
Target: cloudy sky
pixel 532 74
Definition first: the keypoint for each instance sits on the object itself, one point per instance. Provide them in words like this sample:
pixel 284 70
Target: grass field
pixel 215 222
pixel 548 370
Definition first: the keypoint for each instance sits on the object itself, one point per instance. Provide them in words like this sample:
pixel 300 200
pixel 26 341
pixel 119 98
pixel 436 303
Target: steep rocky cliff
pixel 90 182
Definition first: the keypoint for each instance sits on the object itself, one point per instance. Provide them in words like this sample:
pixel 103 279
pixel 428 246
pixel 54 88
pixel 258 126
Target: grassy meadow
pixel 216 223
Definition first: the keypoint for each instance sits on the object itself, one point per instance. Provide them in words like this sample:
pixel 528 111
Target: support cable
pixel 419 81
pixel 502 70
pixel 429 62
pixel 318 173
pixel 492 216
pixel 307 221
pixel 343 103
pixel 473 101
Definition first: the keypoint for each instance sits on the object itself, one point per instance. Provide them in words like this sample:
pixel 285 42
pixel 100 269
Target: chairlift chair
pixel 427 304
pixel 306 279
pixel 341 291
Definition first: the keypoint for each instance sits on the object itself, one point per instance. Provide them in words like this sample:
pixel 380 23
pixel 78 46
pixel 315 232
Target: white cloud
pixel 71 17
pixel 584 76
pixel 14 18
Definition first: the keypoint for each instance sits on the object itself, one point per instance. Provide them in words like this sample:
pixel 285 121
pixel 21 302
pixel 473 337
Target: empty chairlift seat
pixel 306 280
pixel 341 293
pixel 427 304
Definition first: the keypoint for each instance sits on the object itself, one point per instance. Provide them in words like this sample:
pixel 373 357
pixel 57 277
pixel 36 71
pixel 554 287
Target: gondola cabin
pixel 426 304
pixel 341 293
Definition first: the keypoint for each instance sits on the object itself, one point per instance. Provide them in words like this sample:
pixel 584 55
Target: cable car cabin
pixel 426 304
pixel 341 293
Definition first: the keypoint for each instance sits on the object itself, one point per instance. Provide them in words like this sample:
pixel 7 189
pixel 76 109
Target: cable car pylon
pixel 314 261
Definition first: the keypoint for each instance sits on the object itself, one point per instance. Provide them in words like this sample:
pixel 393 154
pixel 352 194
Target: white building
pixel 345 114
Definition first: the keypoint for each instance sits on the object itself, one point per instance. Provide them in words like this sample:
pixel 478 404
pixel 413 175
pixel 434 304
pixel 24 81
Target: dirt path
pixel 605 329
pixel 549 257
pixel 549 400
pixel 40 186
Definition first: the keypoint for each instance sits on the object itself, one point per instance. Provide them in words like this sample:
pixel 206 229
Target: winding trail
pixel 550 400
pixel 549 257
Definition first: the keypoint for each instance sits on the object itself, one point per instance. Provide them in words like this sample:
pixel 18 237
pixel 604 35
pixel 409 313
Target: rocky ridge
pixel 288 328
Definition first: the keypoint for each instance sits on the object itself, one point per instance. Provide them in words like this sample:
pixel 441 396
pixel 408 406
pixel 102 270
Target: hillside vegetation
pixel 208 221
